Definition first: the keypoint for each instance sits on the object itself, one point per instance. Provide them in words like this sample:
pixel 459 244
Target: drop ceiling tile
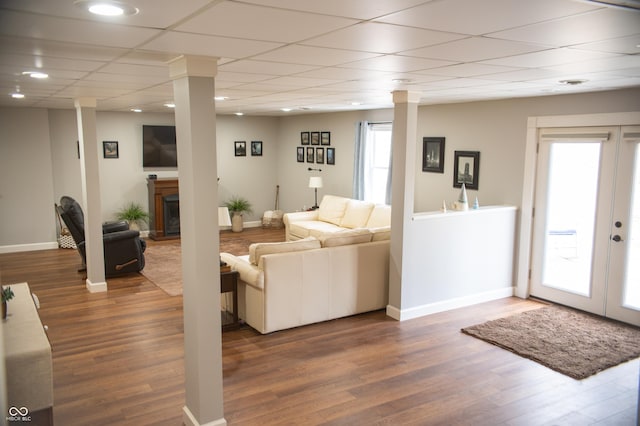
pixel 69 30
pixel 263 67
pixel 607 64
pixel 627 45
pixel 57 49
pixel 603 24
pixel 195 44
pixel 338 73
pixel 254 22
pixel 550 57
pixel 359 9
pixel 381 38
pixel 524 75
pixel 134 69
pixel 468 70
pixel 481 17
pixel 398 63
pixel 143 80
pixel 308 55
pixel 240 77
pixel 474 49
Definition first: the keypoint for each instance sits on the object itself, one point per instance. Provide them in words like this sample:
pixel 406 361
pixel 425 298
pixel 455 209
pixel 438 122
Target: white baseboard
pixel 190 420
pixel 447 305
pixel 96 287
pixel 28 247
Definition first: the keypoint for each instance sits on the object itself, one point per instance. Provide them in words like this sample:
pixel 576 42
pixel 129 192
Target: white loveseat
pixel 337 214
pixel 294 283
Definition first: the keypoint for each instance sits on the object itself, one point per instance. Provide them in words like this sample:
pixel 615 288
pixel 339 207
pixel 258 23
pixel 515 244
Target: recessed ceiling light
pixel 239 114
pixel 573 82
pixel 286 109
pixel 402 80
pixel 136 110
pixel 36 74
pixel 17 95
pixel 356 103
pixel 107 7
pixel 170 105
pixel 221 98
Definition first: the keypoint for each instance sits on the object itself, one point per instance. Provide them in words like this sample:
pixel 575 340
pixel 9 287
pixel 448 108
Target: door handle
pixel 617 238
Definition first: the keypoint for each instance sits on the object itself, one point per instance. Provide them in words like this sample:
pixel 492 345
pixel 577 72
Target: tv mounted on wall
pixel 159 146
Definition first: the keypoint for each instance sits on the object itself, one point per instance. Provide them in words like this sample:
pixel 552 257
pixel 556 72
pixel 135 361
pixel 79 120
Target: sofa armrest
pixel 249 273
pixel 299 216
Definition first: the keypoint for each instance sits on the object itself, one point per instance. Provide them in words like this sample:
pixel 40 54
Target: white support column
pixel 405 117
pixel 90 177
pixel 193 88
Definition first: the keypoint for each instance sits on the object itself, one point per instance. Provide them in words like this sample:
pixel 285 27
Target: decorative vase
pixel 4 309
pixel 236 222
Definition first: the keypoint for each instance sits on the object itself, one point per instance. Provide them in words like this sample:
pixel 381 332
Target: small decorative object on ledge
pixel 476 205
pixel 7 294
pixel 462 204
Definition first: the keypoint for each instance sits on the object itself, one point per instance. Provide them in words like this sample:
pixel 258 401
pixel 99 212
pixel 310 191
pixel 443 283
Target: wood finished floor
pixel 118 360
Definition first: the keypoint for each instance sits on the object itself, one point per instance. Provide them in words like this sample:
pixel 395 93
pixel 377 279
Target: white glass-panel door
pixel 586 222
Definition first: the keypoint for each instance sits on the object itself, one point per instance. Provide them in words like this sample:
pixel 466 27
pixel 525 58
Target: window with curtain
pixel 372 168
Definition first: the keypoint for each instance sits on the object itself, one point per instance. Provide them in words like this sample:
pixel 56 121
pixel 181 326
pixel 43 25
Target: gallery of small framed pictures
pixel 315 148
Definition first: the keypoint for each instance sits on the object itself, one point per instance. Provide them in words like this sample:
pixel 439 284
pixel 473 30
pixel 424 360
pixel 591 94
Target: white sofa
pixel 336 214
pixel 294 283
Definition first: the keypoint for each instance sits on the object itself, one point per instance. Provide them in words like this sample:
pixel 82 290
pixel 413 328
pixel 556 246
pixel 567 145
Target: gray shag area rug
pixel 571 342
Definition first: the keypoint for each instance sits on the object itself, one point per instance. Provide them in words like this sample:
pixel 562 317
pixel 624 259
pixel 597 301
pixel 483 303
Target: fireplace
pixel 171 210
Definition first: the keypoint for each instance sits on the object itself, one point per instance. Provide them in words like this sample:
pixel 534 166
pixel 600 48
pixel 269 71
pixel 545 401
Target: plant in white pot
pixel 134 214
pixel 7 294
pixel 237 206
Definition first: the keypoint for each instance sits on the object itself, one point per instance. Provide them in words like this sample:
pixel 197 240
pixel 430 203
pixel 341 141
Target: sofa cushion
pixel 343 238
pixel 332 209
pixel 257 250
pixel 380 216
pixel 356 214
pixel 380 234
pixel 310 228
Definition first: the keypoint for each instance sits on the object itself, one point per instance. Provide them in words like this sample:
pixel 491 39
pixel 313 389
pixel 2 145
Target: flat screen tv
pixel 159 146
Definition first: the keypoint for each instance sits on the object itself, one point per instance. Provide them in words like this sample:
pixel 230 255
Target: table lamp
pixel 315 182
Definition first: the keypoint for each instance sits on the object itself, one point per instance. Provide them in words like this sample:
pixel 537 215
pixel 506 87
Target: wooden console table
pixel 229 284
pixel 158 189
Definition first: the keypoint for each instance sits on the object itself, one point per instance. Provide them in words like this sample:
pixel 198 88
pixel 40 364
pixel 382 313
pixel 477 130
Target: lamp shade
pixel 315 182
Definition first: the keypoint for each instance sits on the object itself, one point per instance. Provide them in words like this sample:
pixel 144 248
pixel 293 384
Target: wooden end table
pixel 229 284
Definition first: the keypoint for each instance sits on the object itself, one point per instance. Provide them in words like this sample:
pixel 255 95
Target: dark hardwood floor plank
pixel 118 359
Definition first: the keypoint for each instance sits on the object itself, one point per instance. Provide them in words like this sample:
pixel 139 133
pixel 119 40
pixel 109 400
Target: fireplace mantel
pixel 158 190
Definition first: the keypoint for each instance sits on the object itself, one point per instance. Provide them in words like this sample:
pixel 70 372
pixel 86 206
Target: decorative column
pixel 92 204
pixel 195 115
pixel 404 142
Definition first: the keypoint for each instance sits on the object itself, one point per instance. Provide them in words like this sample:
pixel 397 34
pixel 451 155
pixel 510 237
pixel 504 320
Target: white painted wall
pixel 40 146
pixel 27 215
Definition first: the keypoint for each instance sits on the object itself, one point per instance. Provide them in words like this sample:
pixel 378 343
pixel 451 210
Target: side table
pixel 229 284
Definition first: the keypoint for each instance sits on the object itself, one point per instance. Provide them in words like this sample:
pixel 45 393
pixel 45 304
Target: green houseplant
pixel 7 294
pixel 134 214
pixel 237 206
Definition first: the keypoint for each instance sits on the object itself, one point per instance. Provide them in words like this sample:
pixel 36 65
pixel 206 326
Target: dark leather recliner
pixel 123 248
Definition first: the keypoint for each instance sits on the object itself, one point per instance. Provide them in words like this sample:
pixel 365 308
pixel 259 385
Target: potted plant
pixel 7 294
pixel 237 206
pixel 134 214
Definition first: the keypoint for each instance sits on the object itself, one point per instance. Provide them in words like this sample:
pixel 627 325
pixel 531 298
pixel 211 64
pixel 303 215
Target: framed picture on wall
pixel 315 138
pixel 240 148
pixel 256 148
pixel 110 149
pixel 466 169
pixel 331 156
pixel 310 155
pixel 300 154
pixel 325 138
pixel 433 155
pixel 304 138
pixel 320 155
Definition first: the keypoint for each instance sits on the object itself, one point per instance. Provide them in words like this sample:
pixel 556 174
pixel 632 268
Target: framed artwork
pixel 320 155
pixel 300 154
pixel 466 169
pixel 315 138
pixel 304 138
pixel 310 154
pixel 433 154
pixel 240 148
pixel 110 149
pixel 256 148
pixel 331 156
pixel 325 138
